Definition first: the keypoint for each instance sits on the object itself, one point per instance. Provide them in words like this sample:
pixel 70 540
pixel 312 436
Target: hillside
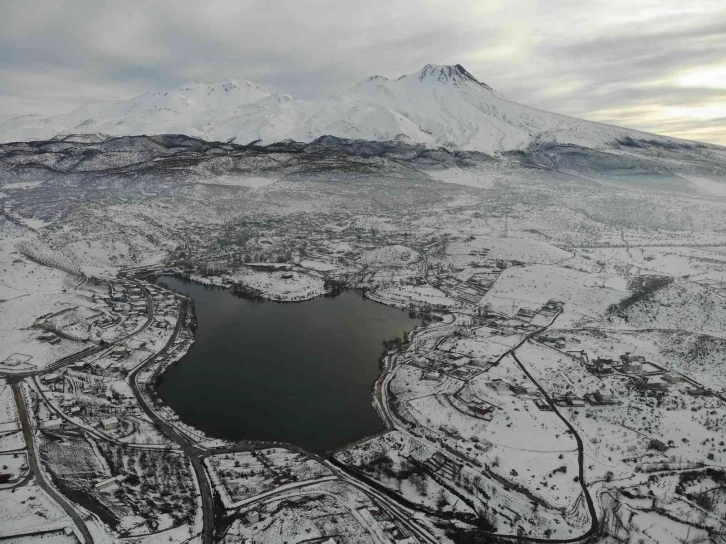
pixel 439 106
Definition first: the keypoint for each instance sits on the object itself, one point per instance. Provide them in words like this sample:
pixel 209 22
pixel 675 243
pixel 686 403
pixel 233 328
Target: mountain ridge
pixel 438 106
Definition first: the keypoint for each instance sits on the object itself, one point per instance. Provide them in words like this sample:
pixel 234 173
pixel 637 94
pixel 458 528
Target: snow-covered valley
pixel 568 384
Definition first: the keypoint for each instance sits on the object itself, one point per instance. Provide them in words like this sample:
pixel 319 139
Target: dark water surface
pixel 300 373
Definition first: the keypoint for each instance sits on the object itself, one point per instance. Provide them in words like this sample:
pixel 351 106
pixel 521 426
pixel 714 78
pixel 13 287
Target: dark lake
pixel 293 372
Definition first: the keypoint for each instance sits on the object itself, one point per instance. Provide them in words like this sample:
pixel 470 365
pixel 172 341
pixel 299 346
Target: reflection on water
pixel 299 373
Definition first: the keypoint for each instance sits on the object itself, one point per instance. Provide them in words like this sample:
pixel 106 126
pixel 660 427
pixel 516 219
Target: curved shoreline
pixel 379 404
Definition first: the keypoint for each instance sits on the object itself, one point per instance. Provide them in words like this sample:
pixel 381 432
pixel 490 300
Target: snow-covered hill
pixel 183 110
pixel 437 106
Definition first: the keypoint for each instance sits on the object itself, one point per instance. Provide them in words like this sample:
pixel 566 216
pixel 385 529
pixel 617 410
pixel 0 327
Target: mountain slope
pixel 179 110
pixel 436 106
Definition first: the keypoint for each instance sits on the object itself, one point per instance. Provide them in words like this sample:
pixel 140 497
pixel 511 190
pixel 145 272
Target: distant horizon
pixel 656 67
pixel 273 92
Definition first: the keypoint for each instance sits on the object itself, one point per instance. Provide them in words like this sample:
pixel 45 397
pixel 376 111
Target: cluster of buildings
pixel 473 289
pixel 439 364
pixel 50 338
pixel 645 375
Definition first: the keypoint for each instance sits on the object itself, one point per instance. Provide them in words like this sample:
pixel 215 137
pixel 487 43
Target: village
pixel 556 389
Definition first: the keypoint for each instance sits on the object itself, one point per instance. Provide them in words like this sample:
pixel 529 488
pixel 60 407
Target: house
pixel 461 361
pixel 118 296
pixel 52 424
pixel 518 389
pixel 483 410
pixel 121 390
pixel 469 294
pixel 500 387
pixel 51 378
pixel 632 368
pixel 433 375
pixel 553 306
pixel 627 358
pixel 599 398
pixel 570 399
pixel 653 384
pixel 4 477
pixel 109 423
pixel 602 366
pixel 253 516
pixel 90 388
pixel 119 352
pixel 671 378
pixel 135 344
pixel 543 405
pixel 696 391
pixel 508 331
pixel 107 486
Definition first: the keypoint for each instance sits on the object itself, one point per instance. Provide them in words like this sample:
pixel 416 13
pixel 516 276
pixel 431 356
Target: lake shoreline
pixel 327 358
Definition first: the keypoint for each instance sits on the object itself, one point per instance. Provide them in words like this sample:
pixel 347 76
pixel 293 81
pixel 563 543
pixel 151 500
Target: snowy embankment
pixel 278 285
pixel 406 296
pixel 281 286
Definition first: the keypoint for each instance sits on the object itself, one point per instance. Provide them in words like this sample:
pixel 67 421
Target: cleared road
pixel 192 451
pixel 35 468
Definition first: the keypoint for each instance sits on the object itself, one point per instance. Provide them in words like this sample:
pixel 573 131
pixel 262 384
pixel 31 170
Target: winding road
pixel 193 452
pixel 38 472
pixel 196 454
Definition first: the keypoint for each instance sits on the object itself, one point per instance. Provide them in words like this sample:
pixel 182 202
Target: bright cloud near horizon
pixel 653 65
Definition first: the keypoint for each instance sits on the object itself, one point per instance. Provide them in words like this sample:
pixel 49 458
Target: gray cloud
pixel 619 62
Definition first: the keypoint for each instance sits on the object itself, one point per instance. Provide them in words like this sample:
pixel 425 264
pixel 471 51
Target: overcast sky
pixel 655 65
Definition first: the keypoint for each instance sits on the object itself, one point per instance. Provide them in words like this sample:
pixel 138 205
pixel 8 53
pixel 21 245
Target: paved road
pixel 592 531
pixel 192 451
pixel 393 507
pixel 65 361
pixel 196 454
pixel 70 359
pixel 35 468
pixel 149 315
pixel 89 430
pixel 580 459
pixel 626 245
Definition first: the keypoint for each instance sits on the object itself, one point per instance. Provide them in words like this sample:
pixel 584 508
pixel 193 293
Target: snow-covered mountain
pixel 437 106
pixel 182 110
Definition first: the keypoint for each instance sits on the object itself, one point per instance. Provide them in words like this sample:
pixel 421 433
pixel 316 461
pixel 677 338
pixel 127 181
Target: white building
pixel 109 423
pixel 108 486
pixel 52 424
